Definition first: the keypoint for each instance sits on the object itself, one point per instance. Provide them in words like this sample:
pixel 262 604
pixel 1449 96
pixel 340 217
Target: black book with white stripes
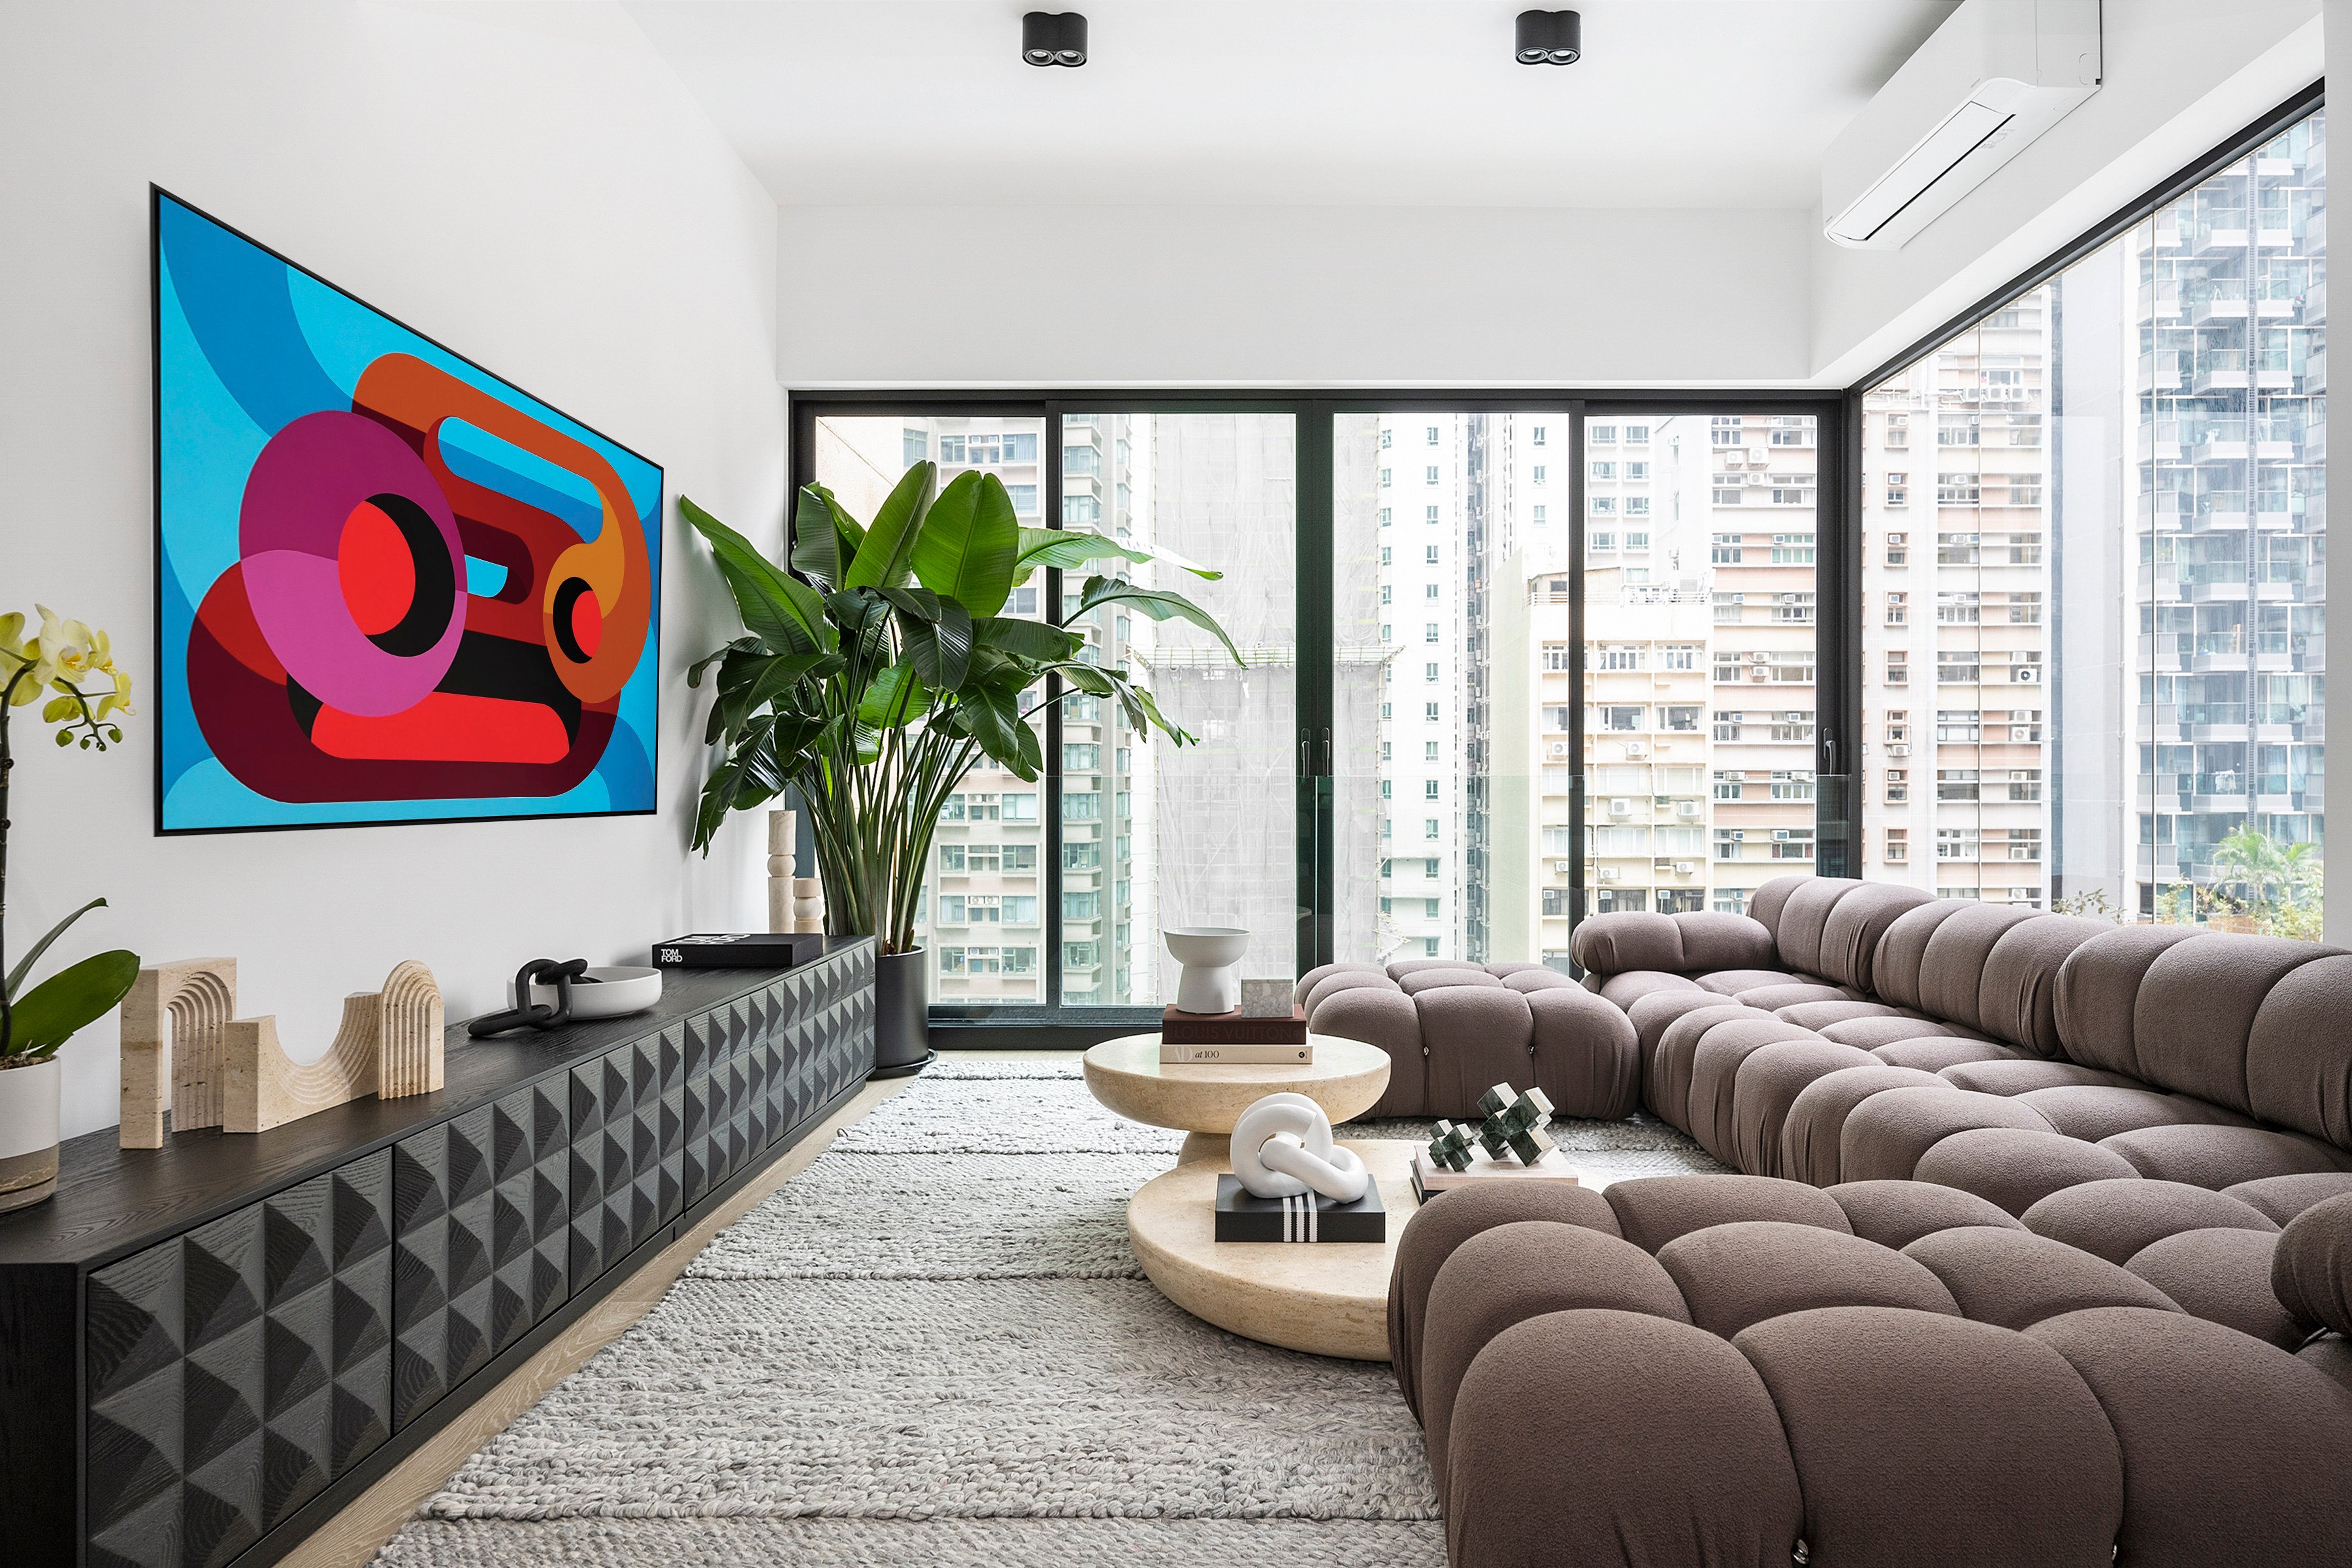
pixel 1242 1216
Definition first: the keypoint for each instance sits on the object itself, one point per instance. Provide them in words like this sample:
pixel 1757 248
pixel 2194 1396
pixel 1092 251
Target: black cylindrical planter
pixel 902 1014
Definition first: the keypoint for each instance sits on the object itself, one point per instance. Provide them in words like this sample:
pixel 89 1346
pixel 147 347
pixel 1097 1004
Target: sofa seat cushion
pixel 1419 980
pixel 1930 1054
pixel 1631 988
pixel 2312 1272
pixel 1820 1014
pixel 2015 1168
pixel 1897 1214
pixel 1650 1014
pixel 1501 1277
pixel 1721 1056
pixel 2218 1433
pixel 2218 1157
pixel 1654 1210
pixel 2116 1219
pixel 1886 1135
pixel 1870 1031
pixel 2222 1276
pixel 1813 1134
pixel 2023 1075
pixel 1734 1275
pixel 1585 1056
pixel 1769 1082
pixel 2091 1112
pixel 1794 992
pixel 1732 982
pixel 1926 1439
pixel 2016 1278
pixel 2284 1198
pixel 1341 980
pixel 1666 1072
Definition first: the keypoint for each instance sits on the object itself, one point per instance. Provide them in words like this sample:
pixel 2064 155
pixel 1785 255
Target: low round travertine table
pixel 1325 1298
pixel 1346 1079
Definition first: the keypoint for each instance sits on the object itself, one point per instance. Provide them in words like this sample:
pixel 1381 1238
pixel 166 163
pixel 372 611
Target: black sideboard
pixel 207 1350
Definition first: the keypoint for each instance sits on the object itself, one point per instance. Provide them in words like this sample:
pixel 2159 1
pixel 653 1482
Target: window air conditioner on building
pixel 1605 874
pixel 1636 750
pixel 1559 747
pixel 1995 76
pixel 1898 749
pixel 1685 868
pixel 2026 674
pixel 1620 806
pixel 1686 809
pixel 1562 868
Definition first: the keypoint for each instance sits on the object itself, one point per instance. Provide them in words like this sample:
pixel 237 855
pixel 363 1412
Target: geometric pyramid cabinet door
pixel 233 1371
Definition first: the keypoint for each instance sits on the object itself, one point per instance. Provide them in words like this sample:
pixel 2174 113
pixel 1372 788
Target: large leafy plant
pixel 73 666
pixel 883 673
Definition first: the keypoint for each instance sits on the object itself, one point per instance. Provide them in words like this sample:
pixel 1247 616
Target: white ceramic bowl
pixel 1206 947
pixel 616 992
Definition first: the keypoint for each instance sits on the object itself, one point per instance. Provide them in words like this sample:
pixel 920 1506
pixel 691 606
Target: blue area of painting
pixel 475 454
pixel 209 796
pixel 183 744
pixel 485 579
pixel 247 344
pixel 628 778
pixel 236 297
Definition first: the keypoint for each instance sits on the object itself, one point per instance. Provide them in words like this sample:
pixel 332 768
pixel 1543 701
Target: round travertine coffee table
pixel 1325 1298
pixel 1346 1079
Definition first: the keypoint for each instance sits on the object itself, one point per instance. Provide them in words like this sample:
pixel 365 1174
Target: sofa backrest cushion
pixel 1804 914
pixel 2017 997
pixel 1764 905
pixel 2098 990
pixel 1849 948
pixel 1894 969
pixel 2195 1013
pixel 1688 944
pixel 2299 1058
pixel 1951 969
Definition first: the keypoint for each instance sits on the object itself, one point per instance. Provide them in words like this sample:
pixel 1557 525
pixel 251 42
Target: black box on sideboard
pixel 753 950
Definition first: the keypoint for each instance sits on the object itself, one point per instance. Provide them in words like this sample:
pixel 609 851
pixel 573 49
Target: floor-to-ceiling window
pixel 2093 534
pixel 1473 689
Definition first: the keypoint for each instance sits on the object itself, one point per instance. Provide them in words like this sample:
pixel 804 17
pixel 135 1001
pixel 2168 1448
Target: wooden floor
pixel 354 1537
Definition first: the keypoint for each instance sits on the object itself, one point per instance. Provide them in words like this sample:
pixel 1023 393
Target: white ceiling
pixel 1677 103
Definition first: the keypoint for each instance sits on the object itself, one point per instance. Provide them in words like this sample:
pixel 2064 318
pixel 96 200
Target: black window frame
pixel 1837 691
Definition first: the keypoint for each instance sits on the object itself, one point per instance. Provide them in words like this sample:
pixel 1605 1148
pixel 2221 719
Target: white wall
pixel 2182 76
pixel 529 184
pixel 1274 297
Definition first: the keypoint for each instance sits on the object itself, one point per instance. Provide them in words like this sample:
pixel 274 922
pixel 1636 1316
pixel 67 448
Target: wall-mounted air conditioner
pixel 1605 874
pixel 1994 77
pixel 1685 868
pixel 1559 747
pixel 1620 806
pixel 2026 674
pixel 1898 749
pixel 1562 868
pixel 1688 810
pixel 1636 750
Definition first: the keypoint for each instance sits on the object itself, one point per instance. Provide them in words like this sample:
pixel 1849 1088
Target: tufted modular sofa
pixel 1748 1371
pixel 1849 1030
pixel 1452 1030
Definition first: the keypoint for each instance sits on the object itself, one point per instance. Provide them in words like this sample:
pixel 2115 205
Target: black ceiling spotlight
pixel 1551 38
pixel 1054 39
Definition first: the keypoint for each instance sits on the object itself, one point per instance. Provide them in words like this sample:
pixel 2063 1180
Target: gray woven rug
pixel 933 1346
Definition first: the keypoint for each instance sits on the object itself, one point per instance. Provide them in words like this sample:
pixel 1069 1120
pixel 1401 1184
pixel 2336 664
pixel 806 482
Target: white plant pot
pixel 28 1132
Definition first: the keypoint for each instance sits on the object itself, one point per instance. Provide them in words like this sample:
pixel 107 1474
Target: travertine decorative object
pixel 808 904
pixel 231 1073
pixel 782 829
pixel 1347 1077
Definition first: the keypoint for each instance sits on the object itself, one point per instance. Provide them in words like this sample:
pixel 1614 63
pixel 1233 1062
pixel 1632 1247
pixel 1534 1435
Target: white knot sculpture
pixel 1282 1147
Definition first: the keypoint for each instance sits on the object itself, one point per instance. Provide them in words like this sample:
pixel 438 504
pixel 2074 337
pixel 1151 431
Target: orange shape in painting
pixel 378 573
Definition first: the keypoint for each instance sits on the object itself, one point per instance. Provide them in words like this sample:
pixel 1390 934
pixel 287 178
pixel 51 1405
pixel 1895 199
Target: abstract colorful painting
pixel 391 587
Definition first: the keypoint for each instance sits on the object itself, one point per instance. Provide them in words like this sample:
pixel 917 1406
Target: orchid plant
pixel 74 667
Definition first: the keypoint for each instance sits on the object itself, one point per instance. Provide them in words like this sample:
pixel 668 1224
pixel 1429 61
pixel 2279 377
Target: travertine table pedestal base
pixel 1326 1297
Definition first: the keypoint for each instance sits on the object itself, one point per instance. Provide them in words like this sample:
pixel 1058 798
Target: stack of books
pixel 739 950
pixel 1241 1036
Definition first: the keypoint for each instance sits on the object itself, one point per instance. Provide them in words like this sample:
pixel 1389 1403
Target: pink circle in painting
pixel 294 528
